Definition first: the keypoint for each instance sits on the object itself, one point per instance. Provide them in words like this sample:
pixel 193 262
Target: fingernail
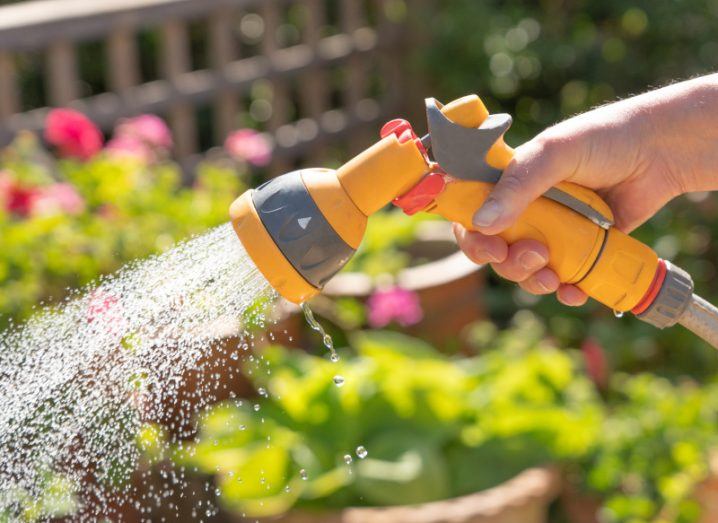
pixel 488 214
pixel 543 284
pixel 490 257
pixel 532 261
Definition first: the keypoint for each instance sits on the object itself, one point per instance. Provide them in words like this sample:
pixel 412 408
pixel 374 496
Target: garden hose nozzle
pixel 301 228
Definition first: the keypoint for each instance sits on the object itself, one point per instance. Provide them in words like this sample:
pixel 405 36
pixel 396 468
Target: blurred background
pixel 129 125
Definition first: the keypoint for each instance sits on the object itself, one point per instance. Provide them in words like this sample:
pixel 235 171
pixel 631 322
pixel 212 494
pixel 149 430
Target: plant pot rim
pixel 534 485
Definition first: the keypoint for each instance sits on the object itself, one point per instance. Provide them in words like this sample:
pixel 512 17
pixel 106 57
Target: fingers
pixel 525 258
pixel 544 281
pixel 537 166
pixel 524 262
pixel 479 248
pixel 571 295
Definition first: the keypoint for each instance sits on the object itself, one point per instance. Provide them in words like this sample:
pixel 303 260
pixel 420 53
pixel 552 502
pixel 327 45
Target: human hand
pixel 637 154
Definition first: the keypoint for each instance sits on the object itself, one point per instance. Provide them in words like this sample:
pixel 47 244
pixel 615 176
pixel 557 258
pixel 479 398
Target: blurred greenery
pixel 434 427
pixel 55 499
pixel 383 249
pixel 131 210
pixel 654 449
pixel 545 61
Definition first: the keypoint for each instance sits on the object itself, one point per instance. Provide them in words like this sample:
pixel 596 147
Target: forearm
pixel 683 120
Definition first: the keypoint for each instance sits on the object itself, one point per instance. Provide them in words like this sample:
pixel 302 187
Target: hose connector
pixel 675 291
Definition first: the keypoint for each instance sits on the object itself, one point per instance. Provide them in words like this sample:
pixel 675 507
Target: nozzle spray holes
pixel 326 338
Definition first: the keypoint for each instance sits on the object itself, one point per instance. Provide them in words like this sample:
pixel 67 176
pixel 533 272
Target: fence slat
pixel 313 88
pixel 122 55
pixel 175 62
pixel 393 76
pixel 63 85
pixel 356 70
pixel 223 52
pixel 9 94
pixel 270 46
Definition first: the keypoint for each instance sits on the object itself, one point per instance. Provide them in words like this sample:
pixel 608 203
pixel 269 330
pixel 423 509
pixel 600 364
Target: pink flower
pixel 74 135
pixel 129 146
pixel 596 363
pixel 58 198
pixel 148 129
pixel 250 146
pixel 394 304
pixel 106 309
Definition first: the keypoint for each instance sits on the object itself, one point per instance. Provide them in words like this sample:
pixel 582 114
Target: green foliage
pixel 131 210
pixel 54 499
pixel 654 450
pixel 434 427
pixel 543 61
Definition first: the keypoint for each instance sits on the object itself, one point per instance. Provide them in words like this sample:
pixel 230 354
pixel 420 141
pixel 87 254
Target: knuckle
pixel 512 183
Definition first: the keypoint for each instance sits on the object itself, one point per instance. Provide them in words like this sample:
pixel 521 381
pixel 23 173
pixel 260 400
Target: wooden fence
pixel 313 72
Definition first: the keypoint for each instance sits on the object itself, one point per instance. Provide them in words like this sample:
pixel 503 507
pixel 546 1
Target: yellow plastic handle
pixel 608 265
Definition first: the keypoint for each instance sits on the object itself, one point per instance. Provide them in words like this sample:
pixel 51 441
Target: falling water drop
pixel 314 324
pixel 618 314
pixel 348 459
pixel 339 381
pixel 303 474
pixel 362 452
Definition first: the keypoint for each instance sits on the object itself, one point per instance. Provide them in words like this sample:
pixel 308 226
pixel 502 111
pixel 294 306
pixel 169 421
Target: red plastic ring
pixel 653 290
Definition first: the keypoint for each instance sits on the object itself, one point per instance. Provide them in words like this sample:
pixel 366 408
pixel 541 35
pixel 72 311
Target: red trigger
pixel 422 194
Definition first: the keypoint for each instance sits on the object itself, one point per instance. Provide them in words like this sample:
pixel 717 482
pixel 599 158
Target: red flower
pixel 596 363
pixel 394 304
pixel 15 198
pixel 74 135
pixel 249 146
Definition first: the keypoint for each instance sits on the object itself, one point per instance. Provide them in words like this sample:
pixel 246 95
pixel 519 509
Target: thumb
pixel 537 166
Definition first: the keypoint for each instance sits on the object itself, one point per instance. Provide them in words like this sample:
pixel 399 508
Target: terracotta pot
pixel 449 286
pixel 579 507
pixel 525 499
pixel 707 497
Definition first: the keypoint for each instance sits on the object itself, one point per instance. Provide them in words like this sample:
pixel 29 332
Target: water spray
pixel 301 228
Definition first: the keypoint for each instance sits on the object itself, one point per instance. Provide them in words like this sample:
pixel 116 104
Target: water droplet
pixel 287 489
pixel 348 459
pixel 314 324
pixel 334 357
pixel 303 474
pixel 257 407
pixel 618 314
pixel 263 392
pixel 362 452
pixel 234 356
pixel 339 381
pixel 243 427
